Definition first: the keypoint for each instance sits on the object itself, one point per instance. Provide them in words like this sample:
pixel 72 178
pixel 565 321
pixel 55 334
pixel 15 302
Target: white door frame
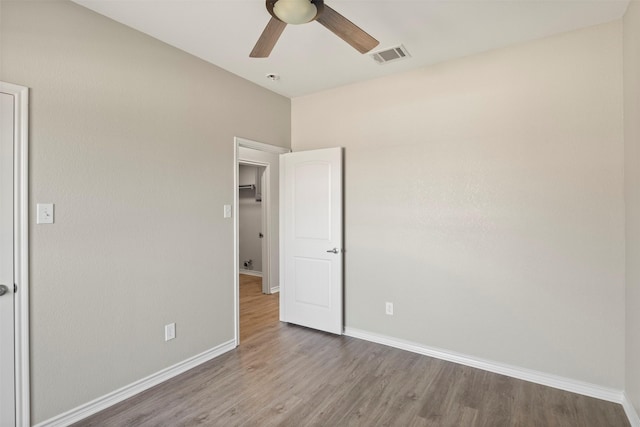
pixel 237 160
pixel 21 250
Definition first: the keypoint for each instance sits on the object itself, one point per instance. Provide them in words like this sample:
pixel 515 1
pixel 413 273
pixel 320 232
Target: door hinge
pixel 15 288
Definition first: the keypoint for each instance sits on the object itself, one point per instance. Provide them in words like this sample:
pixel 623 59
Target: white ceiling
pixel 309 58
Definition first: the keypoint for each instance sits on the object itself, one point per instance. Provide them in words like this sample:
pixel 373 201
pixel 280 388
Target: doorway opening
pixel 251 224
pixel 256 243
pixel 258 305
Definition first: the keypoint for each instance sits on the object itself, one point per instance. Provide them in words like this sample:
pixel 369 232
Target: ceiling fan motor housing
pixel 295 11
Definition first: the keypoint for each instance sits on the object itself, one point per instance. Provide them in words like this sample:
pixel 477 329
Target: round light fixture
pixel 273 77
pixel 295 11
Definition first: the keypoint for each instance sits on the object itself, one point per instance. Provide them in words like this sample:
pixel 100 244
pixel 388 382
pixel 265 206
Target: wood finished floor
pixel 258 312
pixel 285 375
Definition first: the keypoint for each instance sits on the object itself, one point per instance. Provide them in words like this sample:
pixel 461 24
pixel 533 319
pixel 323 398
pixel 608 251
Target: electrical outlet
pixel 169 331
pixel 389 308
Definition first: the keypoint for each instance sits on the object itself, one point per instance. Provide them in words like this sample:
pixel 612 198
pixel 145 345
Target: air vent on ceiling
pixel 390 55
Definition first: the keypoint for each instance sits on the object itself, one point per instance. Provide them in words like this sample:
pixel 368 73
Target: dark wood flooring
pixel 285 375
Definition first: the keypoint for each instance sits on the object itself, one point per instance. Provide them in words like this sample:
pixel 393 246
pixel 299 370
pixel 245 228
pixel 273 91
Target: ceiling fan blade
pixel 347 30
pixel 268 39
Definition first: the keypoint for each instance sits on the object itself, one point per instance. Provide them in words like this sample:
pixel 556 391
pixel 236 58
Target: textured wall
pixel 133 141
pixel 484 198
pixel 632 196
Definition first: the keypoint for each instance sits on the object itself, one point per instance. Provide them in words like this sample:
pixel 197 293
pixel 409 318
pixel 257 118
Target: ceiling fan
pixel 285 12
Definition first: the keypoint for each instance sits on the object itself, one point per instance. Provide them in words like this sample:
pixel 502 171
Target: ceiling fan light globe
pixel 295 11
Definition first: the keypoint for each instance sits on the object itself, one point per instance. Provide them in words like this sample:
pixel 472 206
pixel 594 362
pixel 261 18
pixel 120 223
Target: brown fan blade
pixel 347 30
pixel 268 39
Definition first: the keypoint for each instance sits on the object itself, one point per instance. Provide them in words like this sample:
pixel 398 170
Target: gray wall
pixel 133 141
pixel 249 220
pixel 484 198
pixel 632 195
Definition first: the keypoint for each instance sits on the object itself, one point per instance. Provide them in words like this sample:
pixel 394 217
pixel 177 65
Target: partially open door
pixel 311 239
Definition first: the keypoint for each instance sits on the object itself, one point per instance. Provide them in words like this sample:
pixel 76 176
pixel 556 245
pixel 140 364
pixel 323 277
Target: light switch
pixel 45 213
pixel 227 211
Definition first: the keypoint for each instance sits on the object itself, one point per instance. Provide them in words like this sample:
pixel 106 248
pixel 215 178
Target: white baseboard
pixel 250 272
pixel 101 403
pixel 634 419
pixel 567 384
pixel 275 290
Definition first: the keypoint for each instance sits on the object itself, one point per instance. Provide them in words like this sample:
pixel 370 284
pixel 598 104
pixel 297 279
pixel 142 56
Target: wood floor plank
pixel 285 375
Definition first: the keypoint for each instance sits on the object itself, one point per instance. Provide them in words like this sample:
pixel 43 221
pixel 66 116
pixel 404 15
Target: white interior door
pixel 311 240
pixel 7 363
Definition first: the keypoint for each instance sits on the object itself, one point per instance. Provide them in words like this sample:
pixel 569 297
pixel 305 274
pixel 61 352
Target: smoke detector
pixel 390 55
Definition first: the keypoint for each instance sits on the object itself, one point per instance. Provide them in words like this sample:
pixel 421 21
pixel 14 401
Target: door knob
pixel 3 290
pixel 333 251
